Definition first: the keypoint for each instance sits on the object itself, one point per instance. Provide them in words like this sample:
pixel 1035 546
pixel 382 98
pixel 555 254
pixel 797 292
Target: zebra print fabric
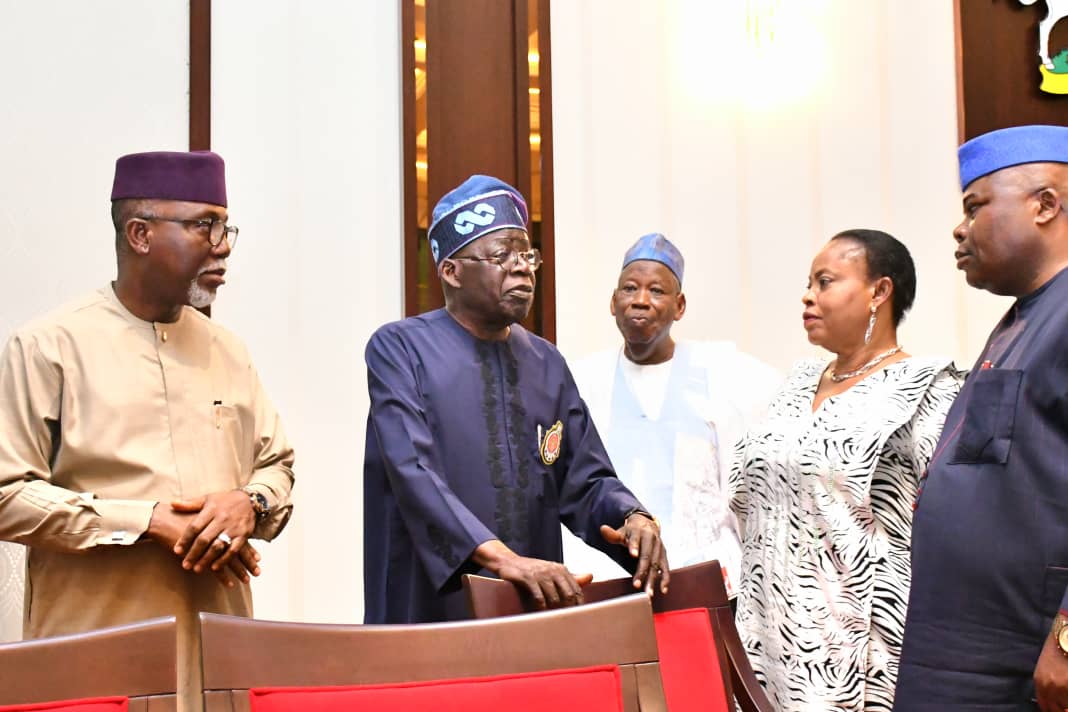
pixel 824 500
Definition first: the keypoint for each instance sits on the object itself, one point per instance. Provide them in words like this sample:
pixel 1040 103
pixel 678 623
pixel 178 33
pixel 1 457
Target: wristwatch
pixel 260 505
pixel 1060 634
pixel 642 512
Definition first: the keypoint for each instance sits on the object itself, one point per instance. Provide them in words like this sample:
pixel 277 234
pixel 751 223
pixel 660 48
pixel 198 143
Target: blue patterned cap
pixel 657 248
pixel 479 206
pixel 1011 147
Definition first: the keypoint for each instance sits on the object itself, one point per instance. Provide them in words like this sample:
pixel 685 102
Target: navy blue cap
pixel 479 206
pixel 1014 146
pixel 657 248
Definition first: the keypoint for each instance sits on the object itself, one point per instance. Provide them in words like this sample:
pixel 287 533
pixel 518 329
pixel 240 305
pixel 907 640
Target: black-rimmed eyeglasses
pixel 213 228
pixel 509 259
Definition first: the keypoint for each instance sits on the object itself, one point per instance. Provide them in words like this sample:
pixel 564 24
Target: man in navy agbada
pixel 986 628
pixel 478 444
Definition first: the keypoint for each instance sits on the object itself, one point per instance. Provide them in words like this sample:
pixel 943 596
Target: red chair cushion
pixel 689 661
pixel 595 689
pixel 96 704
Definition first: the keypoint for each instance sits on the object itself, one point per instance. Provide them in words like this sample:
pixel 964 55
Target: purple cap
pixel 195 176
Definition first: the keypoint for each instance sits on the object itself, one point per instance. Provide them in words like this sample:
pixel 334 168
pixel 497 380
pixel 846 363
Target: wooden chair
pixel 240 654
pixel 137 661
pixel 696 586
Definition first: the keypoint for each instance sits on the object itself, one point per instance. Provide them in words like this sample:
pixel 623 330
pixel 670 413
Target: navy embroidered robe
pixel 453 460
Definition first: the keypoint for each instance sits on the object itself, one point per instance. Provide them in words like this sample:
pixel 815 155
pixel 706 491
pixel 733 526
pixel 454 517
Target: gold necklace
pixel 839 377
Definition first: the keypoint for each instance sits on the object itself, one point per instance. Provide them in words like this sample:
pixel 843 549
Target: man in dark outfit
pixel 478 444
pixel 988 608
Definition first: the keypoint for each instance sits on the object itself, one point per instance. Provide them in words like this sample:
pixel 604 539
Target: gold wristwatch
pixel 1060 634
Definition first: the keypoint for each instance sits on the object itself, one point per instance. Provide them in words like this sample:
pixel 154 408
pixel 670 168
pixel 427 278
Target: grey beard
pixel 198 296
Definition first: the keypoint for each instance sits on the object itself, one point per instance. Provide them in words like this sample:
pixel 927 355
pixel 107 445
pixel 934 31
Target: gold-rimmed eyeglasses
pixel 509 259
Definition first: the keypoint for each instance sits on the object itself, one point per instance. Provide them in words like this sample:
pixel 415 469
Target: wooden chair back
pixel 696 586
pixel 138 661
pixel 239 654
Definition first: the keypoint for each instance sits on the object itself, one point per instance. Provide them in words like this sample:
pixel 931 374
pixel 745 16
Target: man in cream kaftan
pixel 104 416
pixel 138 451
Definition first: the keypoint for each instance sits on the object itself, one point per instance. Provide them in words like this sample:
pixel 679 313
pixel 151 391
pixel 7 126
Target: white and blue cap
pixel 479 206
pixel 657 248
pixel 1014 146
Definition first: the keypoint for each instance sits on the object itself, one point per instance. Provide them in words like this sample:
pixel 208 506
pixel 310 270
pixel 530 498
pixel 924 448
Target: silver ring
pixel 224 538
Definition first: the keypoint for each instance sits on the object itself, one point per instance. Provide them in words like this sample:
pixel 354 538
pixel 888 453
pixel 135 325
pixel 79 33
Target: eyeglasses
pixel 509 259
pixel 213 228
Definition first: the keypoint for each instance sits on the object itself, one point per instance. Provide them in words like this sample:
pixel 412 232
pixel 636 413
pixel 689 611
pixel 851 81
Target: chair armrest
pixel 746 687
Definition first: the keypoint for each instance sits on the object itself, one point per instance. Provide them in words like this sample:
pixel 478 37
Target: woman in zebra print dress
pixel 823 488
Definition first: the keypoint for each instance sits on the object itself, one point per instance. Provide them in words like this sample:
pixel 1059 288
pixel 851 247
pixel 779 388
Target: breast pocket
pixel 231 448
pixel 986 433
pixel 547 493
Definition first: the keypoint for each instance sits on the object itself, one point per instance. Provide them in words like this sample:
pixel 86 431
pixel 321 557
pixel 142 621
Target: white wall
pixel 82 83
pixel 749 152
pixel 306 111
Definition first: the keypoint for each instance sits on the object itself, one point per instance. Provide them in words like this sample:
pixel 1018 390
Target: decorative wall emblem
pixel 1054 69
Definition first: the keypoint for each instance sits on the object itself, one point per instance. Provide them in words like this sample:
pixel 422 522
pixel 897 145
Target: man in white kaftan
pixel 669 414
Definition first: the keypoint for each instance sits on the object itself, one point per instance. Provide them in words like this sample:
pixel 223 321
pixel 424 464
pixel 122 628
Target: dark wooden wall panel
pixel 199 75
pixel 200 83
pixel 546 293
pixel 521 109
pixel 997 67
pixel 478 120
pixel 408 174
pixel 471 112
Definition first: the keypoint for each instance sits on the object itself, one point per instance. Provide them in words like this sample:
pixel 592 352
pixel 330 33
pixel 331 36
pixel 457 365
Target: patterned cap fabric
pixel 196 176
pixel 479 206
pixel 1014 146
pixel 657 248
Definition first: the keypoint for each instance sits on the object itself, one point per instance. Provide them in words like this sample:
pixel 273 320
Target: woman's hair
pixel 887 257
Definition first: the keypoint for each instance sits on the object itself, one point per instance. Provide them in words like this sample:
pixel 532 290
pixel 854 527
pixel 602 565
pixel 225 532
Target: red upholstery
pixel 96 704
pixel 594 689
pixel 689 662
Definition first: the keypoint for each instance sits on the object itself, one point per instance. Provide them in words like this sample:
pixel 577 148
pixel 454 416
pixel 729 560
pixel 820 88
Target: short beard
pixel 198 297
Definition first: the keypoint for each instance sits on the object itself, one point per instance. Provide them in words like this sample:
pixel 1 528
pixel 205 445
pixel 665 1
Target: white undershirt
pixel 648 383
